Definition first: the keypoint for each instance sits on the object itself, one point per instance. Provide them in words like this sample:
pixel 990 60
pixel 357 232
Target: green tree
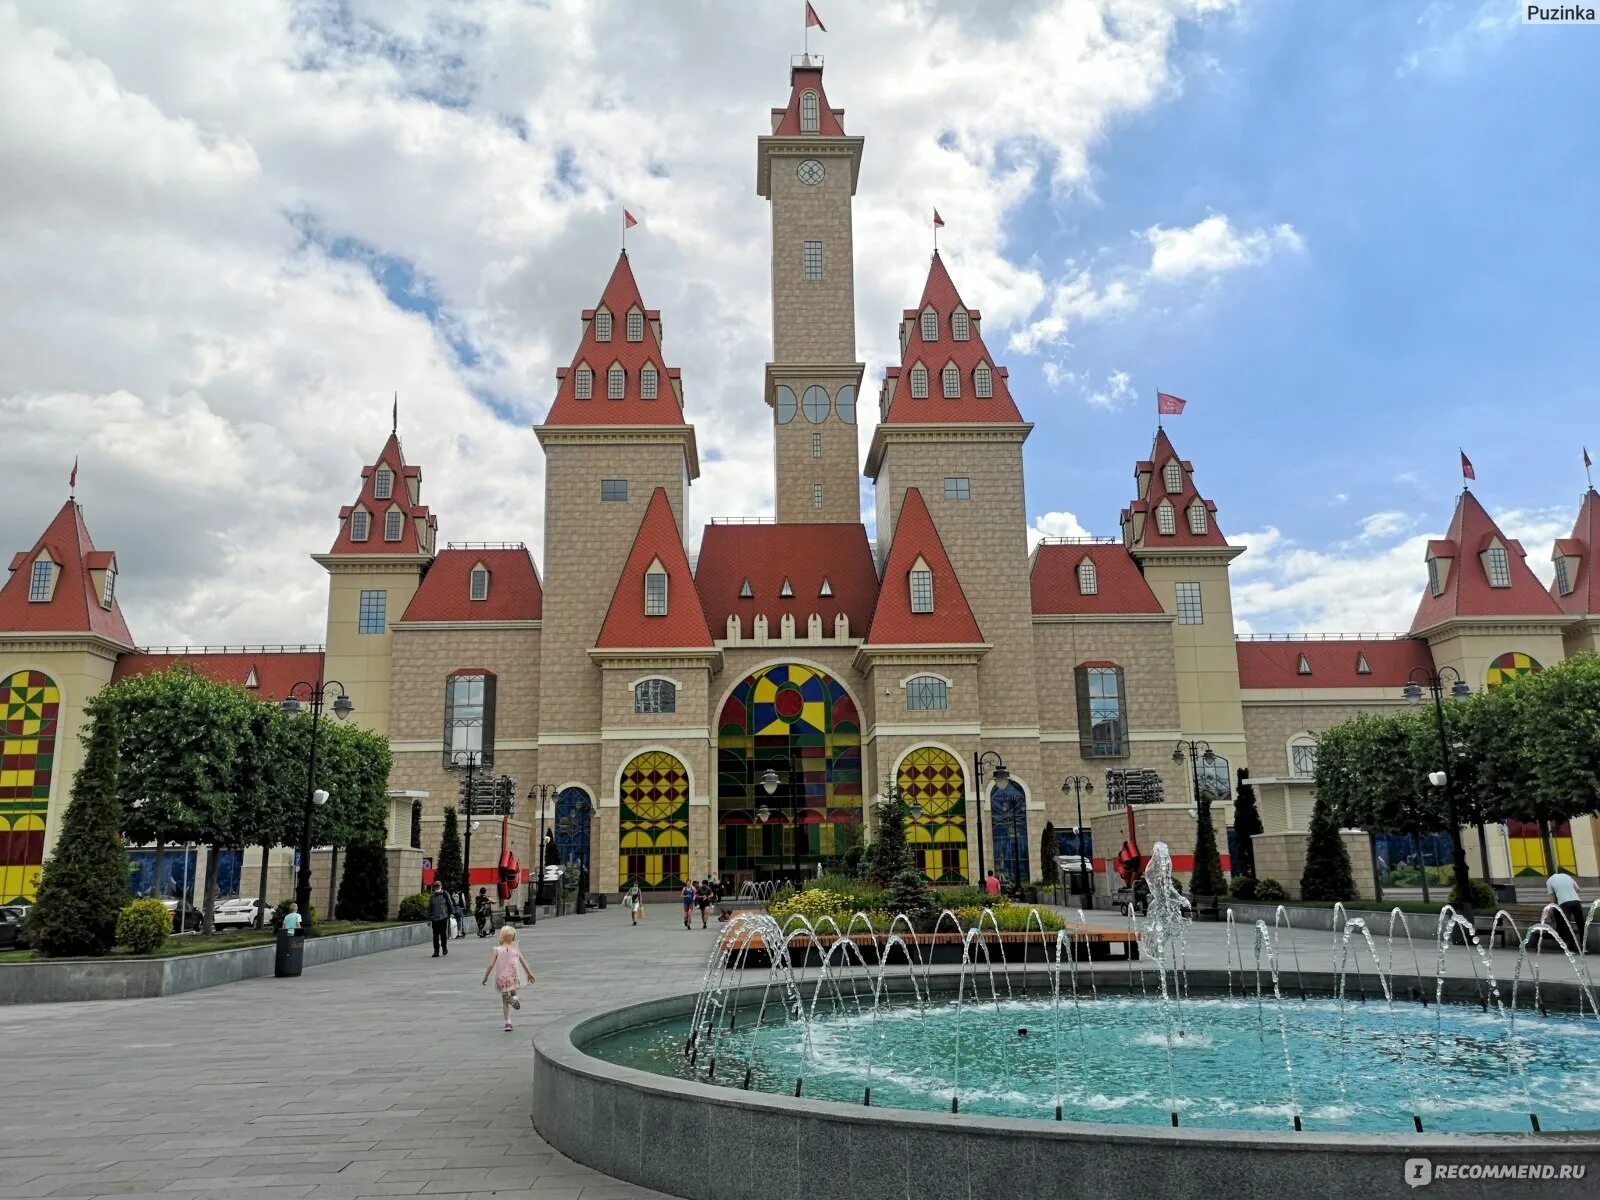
pixel 1555 715
pixel 1206 878
pixel 364 891
pixel 1327 874
pixel 447 868
pixel 1246 824
pixel 84 884
pixel 909 893
pixel 888 856
pixel 1047 855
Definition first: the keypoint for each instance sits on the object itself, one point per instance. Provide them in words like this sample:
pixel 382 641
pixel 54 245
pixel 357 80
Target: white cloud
pixel 1055 524
pixel 1213 246
pixel 1386 524
pixel 1074 298
pixel 1451 44
pixel 1116 393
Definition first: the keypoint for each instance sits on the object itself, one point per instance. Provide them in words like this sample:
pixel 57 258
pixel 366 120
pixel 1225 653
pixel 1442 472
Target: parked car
pixel 10 928
pixel 240 913
pixel 190 917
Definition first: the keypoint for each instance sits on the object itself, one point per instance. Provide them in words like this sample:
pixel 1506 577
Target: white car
pixel 240 913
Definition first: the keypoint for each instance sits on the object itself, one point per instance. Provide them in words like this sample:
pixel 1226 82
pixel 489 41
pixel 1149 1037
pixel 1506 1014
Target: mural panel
pixel 932 778
pixel 30 705
pixel 654 841
pixel 1510 666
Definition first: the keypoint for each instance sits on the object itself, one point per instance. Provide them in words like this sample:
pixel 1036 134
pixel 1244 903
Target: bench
pixel 1525 915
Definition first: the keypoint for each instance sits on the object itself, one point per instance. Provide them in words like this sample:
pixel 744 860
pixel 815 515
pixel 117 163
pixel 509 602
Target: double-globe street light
pixel 1435 682
pixel 314 695
pixel 1076 786
pixel 471 760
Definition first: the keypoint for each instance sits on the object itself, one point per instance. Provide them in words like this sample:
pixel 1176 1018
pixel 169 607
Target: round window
pixel 845 404
pixel 816 404
pixel 786 404
pixel 810 172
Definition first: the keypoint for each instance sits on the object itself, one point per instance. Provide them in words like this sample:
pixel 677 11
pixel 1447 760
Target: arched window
pixel 574 810
pixel 960 325
pixel 926 693
pixel 655 590
pixel 648 382
pixel 394 524
pixel 360 525
pixel 983 381
pixel 1303 757
pixel 1088 578
pixel 816 404
pixel 583 383
pixel 635 326
pixel 787 404
pixel 469 718
pixel 810 113
pixel 602 327
pixel 1197 517
pixel 930 325
pixel 478 583
pixel 653 822
pixel 34 701
pixel 1166 521
pixel 950 381
pixel 616 383
pixel 655 696
pixel 845 404
pixel 919 382
pixel 383 483
pixel 1173 476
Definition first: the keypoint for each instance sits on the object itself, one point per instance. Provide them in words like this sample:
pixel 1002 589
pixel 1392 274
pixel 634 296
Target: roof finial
pixel 72 480
pixel 394 417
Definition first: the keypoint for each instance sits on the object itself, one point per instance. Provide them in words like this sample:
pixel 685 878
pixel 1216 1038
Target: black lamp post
pixel 1435 682
pixel 545 792
pixel 769 784
pixel 471 760
pixel 997 776
pixel 1076 786
pixel 315 695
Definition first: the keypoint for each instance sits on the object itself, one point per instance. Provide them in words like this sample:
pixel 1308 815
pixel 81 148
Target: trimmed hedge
pixel 143 926
pixel 414 907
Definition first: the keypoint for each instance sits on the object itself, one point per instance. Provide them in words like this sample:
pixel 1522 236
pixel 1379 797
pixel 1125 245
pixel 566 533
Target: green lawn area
pixel 193 943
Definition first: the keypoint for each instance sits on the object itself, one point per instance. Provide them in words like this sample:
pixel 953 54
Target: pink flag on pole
pixel 1168 405
pixel 813 19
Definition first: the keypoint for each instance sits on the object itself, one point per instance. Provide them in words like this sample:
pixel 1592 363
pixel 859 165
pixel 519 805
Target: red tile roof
pixel 445 595
pixel 830 121
pixel 621 295
pixel 1584 598
pixel 400 497
pixel 1121 587
pixel 1334 664
pixel 893 623
pixel 276 670
pixel 1466 590
pixel 805 555
pixel 940 294
pixel 74 605
pixel 1149 474
pixel 626 626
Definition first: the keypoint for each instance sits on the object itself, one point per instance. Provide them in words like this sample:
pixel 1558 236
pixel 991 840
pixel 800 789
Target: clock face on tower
pixel 810 172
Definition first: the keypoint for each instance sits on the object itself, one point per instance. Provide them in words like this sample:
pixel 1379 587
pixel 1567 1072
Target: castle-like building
pixel 652 690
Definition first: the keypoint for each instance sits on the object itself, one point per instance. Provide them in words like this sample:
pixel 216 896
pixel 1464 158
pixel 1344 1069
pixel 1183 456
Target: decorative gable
pixel 405 526
pixel 655 605
pixel 62 584
pixel 916 551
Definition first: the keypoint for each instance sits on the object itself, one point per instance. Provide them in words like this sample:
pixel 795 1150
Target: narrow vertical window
pixel 583 384
pixel 636 326
pixel 655 592
pixel 383 483
pixel 1166 520
pixel 478 589
pixel 960 325
pixel 360 525
pixel 810 113
pixel 469 721
pixel 1499 564
pixel 373 612
pixel 41 580
pixel 648 382
pixel 816 445
pixel 1563 578
pixel 616 383
pixel 983 381
pixel 816 495
pixel 109 592
pixel 394 523
pixel 919 382
pixel 602 327
pixel 812 258
pixel 1435 582
pixel 1088 578
pixel 1102 727
pixel 930 325
pixel 1197 518
pixel 1189 610
pixel 951 381
pixel 1173 476
pixel 922 591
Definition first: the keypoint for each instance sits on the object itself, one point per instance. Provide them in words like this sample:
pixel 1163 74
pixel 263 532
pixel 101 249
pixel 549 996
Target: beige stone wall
pixel 1282 856
pixel 797 470
pixel 361 661
pixel 1205 656
pixel 1581 637
pixel 1470 648
pixel 1169 823
pixel 813 320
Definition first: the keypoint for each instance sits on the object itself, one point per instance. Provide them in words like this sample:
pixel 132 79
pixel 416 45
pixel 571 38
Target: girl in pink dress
pixel 503 964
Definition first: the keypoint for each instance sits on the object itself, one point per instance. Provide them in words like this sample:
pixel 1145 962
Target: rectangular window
pixel 816 495
pixel 394 524
pixel 110 591
pixel 1189 610
pixel 636 326
pixel 602 327
pixel 1303 761
pixel 469 720
pixel 816 445
pixel 926 693
pixel 383 486
pixel 1197 518
pixel 1172 476
pixel 613 489
pixel 479 585
pixel 360 525
pixel 1563 579
pixel 583 385
pixel 813 260
pixel 960 325
pixel 922 591
pixel 647 383
pixel 958 488
pixel 655 594
pixel 1499 567
pixel 616 383
pixel 39 581
pixel 1102 724
pixel 1166 522
pixel 1435 585
pixel 652 696
pixel 374 613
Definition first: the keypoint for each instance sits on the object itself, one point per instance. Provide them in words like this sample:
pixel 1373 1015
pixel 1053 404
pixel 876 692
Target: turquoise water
pixel 1113 1060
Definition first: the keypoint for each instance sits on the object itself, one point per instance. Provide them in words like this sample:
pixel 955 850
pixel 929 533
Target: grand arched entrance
pixel 801 724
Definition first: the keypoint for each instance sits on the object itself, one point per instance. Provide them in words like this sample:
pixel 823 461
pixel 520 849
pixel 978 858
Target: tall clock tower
pixel 807 167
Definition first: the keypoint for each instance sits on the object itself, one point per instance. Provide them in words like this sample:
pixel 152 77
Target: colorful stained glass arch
pixel 1512 665
pixel 932 780
pixel 653 842
pixel 30 708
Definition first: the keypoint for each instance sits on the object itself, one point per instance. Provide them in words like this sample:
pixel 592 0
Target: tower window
pixel 919 382
pixel 1435 582
pixel 816 445
pixel 1363 667
pixel 616 383
pixel 602 327
pixel 950 381
pixel 1088 578
pixel 583 384
pixel 360 525
pixel 1499 564
pixel 786 404
pixel 383 483
pixel 394 523
pixel 922 591
pixel 636 326
pixel 844 403
pixel 478 586
pixel 983 381
pixel 1563 577
pixel 1303 666
pixel 615 490
pixel 655 591
pixel 1166 521
pixel 1303 760
pixel 372 616
pixel 816 495
pixel 655 696
pixel 109 592
pixel 927 693
pixel 960 325
pixel 1189 610
pixel 786 591
pixel 1197 517
pixel 930 325
pixel 958 487
pixel 648 382
pixel 469 718
pixel 816 404
pixel 812 259
pixel 810 112
pixel 1173 476
pixel 41 581
pixel 1102 722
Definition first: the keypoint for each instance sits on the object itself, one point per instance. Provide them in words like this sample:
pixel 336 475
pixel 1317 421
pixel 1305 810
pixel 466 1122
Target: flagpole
pixel 1588 468
pixel 936 237
pixel 1158 410
pixel 624 231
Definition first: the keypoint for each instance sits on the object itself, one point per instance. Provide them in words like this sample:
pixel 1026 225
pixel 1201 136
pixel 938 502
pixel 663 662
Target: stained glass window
pixel 932 780
pixel 574 811
pixel 30 705
pixel 927 692
pixel 654 821
pixel 1008 819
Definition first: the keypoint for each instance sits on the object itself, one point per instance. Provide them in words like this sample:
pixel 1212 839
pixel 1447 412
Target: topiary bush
pixel 1270 891
pixel 364 894
pixel 1244 887
pixel 143 926
pixel 414 908
pixel 1483 897
pixel 909 893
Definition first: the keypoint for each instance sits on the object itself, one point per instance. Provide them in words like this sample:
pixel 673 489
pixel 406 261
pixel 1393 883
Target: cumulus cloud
pixel 1055 524
pixel 1074 298
pixel 1212 246
pixel 1116 393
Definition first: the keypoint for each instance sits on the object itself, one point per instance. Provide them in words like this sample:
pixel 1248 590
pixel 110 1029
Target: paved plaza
pixel 380 1076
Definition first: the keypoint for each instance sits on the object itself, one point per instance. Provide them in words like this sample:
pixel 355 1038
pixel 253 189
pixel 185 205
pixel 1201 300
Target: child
pixel 503 965
pixel 291 920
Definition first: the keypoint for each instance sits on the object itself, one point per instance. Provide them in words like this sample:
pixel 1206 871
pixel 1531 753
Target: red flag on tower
pixel 937 219
pixel 628 219
pixel 1586 463
pixel 1168 405
pixel 813 19
pixel 72 482
pixel 1466 467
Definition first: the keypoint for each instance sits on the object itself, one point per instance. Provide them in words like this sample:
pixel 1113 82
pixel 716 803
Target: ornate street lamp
pixel 1435 682
pixel 769 784
pixel 315 695
pixel 1076 786
pixel 998 776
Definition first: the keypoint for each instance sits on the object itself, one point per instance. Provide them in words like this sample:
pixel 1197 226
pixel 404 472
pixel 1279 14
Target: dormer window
pixel 360 525
pixel 1166 521
pixel 745 591
pixel 1563 577
pixel 919 382
pixel 951 381
pixel 1363 667
pixel 583 384
pixel 602 327
pixel 616 382
pixel 1197 518
pixel 394 523
pixel 827 589
pixel 960 325
pixel 383 483
pixel 42 581
pixel 655 590
pixel 1172 476
pixel 1498 564
pixel 648 382
pixel 1088 578
pixel 787 590
pixel 1435 578
pixel 930 325
pixel 109 592
pixel 478 583
pixel 635 326
pixel 1303 666
pixel 810 113
pixel 921 584
pixel 983 381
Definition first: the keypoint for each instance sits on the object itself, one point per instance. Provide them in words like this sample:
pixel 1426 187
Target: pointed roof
pixel 893 623
pixel 684 626
pixel 1584 598
pixel 74 605
pixel 620 296
pixel 407 484
pixel 939 293
pixel 1150 477
pixel 1466 591
pixel 1120 588
pixel 446 590
pixel 786 120
pixel 809 556
pixel 1333 663
pixel 273 670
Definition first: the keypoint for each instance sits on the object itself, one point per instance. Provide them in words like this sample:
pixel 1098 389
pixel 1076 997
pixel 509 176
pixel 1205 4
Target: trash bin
pixel 290 957
pixel 602 900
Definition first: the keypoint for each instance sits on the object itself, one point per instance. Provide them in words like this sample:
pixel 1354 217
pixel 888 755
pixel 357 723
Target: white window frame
pixel 616 382
pixel 583 382
pixel 961 325
pixel 950 381
pixel 810 112
pixel 930 325
pixel 811 259
pixel 1497 566
pixel 1088 578
pixel 919 382
pixel 816 495
pixel 478 583
pixel 1563 576
pixel 920 583
pixel 655 590
pixel 1166 519
pixel 360 525
pixel 635 325
pixel 108 593
pixel 958 487
pixel 383 484
pixel 602 326
pixel 1197 518
pixel 983 381
pixel 394 525
pixel 649 382
pixel 1172 477
pixel 41 583
pixel 1190 604
pixel 933 689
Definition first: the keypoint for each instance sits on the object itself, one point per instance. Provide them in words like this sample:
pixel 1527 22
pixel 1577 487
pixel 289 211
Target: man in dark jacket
pixel 439 917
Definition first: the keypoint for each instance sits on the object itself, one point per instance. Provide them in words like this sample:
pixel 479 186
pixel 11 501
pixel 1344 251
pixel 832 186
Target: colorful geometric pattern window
pixel 802 725
pixel 654 841
pixel 932 779
pixel 1512 665
pixel 30 706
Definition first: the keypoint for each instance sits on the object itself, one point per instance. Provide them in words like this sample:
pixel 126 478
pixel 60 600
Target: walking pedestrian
pixel 503 964
pixel 702 899
pixel 991 884
pixel 688 903
pixel 458 912
pixel 635 903
pixel 483 912
pixel 1563 892
pixel 439 918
